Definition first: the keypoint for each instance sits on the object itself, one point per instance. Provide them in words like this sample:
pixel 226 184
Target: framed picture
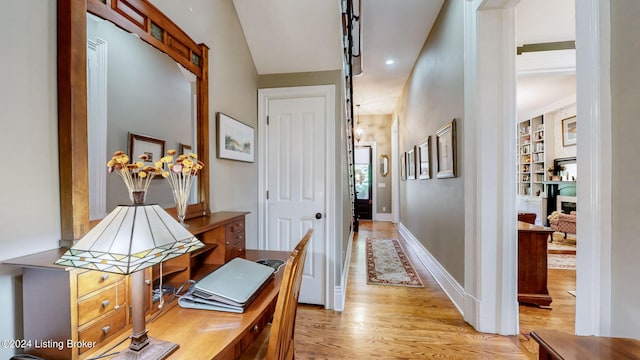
pixel 145 145
pixel 569 134
pixel 403 166
pixel 411 164
pixel 185 149
pixel 446 150
pixel 424 156
pixel 236 141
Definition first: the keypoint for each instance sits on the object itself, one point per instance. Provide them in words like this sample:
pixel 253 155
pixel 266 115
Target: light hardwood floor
pixel 388 322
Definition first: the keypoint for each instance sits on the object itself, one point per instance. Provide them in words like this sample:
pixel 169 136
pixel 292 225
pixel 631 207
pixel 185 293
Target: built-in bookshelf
pixel 531 156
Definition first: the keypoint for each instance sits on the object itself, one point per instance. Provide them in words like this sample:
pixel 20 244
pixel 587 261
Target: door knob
pixel 318 216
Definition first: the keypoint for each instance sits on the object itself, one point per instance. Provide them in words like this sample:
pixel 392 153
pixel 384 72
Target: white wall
pixel 30 215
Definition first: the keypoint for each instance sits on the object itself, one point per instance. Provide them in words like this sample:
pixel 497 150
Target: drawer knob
pixel 240 237
pixel 106 329
pixel 105 277
pixel 256 329
pixel 227 243
pixel 106 303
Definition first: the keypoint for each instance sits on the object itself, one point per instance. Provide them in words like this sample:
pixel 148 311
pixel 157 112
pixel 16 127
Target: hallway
pixel 387 322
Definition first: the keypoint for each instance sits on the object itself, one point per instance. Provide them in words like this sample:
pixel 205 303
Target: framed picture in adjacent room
pixel 569 134
pixel 446 150
pixel 424 157
pixel 411 164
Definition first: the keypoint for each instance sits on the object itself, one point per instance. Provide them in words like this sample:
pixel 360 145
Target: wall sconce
pixel 359 131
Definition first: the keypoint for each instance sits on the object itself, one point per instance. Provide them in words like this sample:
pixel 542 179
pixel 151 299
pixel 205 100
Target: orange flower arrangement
pixel 180 175
pixel 136 176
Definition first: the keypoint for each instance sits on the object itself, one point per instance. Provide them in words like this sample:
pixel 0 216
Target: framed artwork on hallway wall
pixel 403 166
pixel 411 164
pixel 424 157
pixel 446 151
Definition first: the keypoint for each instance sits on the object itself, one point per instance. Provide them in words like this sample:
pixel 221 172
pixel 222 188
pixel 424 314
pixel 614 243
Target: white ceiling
pixel 316 44
pixel 394 30
pixel 287 36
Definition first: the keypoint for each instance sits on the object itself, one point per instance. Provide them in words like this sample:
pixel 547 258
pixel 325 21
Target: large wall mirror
pixel 125 72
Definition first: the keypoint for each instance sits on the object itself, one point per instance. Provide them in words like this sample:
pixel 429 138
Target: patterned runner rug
pixel 387 264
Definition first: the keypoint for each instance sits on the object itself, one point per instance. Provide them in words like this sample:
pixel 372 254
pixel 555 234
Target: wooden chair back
pixel 284 318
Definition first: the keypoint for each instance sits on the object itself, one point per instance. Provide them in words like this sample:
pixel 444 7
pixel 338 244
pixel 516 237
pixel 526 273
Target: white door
pixel 296 185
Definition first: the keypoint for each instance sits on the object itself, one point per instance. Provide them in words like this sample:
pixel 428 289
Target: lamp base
pixel 157 349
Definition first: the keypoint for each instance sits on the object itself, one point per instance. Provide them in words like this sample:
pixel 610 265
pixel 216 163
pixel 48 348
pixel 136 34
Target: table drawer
pixel 103 329
pixel 90 281
pixel 259 326
pixel 101 303
pixel 237 252
pixel 237 225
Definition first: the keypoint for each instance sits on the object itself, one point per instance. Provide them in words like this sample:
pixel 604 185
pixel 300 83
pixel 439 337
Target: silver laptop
pixel 235 283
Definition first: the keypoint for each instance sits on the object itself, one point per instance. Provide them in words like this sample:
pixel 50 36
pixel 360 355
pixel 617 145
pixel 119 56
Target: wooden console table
pixel 532 264
pixel 93 307
pixel 556 345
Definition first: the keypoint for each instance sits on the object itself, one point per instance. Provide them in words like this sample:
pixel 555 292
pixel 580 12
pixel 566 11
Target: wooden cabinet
pixel 532 264
pixel 85 308
pixel 69 311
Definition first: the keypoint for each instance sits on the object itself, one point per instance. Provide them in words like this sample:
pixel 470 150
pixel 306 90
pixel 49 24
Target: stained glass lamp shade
pixel 129 239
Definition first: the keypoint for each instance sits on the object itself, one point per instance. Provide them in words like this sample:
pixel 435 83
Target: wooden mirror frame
pixel 134 16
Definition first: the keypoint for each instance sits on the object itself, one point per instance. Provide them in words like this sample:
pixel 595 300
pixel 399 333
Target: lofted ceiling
pixel 289 36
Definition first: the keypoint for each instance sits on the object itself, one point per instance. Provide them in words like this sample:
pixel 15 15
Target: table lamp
pixel 130 239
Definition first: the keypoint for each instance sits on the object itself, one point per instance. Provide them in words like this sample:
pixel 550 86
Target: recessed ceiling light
pixel 389 62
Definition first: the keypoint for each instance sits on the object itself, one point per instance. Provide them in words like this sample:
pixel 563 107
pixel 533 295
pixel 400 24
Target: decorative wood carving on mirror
pixel 151 25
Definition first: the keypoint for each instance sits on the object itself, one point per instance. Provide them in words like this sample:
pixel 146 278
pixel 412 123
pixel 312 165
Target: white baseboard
pixel 383 217
pixel 454 291
pixel 340 291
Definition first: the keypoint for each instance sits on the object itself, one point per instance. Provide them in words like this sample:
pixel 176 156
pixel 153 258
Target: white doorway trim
pixel 328 93
pixel 490 302
pixel 489 147
pixel 594 154
pixel 394 168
